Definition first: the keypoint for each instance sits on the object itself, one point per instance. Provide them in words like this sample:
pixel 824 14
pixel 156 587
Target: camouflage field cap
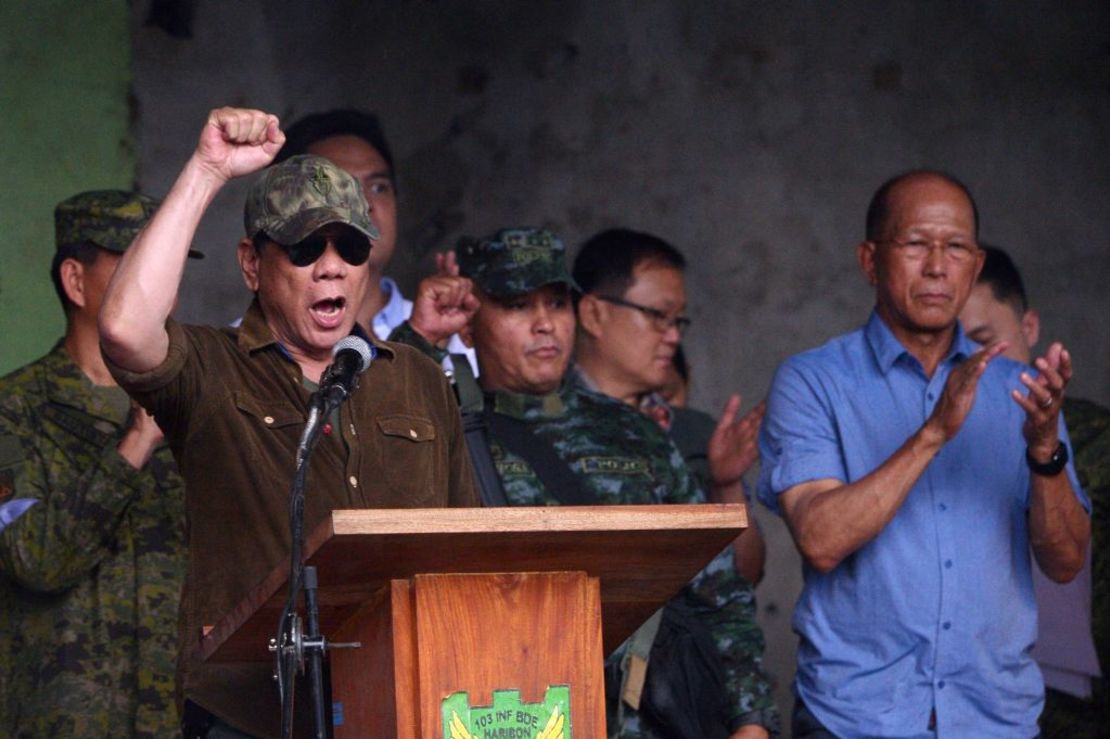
pixel 110 219
pixel 514 261
pixel 292 199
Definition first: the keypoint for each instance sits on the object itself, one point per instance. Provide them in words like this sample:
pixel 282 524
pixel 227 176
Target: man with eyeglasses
pixel 915 469
pixel 631 318
pixel 233 401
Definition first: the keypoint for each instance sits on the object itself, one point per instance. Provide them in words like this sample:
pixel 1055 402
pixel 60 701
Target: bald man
pixel 915 470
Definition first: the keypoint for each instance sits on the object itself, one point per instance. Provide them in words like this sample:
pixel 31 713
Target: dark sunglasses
pixel 352 246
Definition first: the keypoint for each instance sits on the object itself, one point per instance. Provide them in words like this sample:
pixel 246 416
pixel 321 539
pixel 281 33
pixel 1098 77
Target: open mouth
pixel 329 311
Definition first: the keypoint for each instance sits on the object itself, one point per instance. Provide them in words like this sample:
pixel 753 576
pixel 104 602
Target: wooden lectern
pixel 480 599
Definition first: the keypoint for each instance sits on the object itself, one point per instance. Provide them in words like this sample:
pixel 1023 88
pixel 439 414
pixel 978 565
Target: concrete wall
pixel 64 116
pixel 750 133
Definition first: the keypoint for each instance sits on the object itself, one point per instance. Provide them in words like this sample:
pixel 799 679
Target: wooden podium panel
pixel 445 601
pixel 641 556
pixel 470 640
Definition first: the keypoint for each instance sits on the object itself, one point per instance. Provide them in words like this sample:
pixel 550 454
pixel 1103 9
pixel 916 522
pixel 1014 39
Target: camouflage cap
pixel 295 197
pixel 110 219
pixel 514 261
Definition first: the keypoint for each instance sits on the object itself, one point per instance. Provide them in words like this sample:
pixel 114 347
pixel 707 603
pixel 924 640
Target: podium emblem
pixel 508 718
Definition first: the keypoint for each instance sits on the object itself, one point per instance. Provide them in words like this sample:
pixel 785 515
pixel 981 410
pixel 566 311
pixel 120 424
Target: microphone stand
pixel 292 644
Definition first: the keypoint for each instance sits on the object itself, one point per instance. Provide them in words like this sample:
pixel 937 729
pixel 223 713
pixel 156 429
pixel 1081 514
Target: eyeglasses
pixel 352 246
pixel 918 249
pixel 660 321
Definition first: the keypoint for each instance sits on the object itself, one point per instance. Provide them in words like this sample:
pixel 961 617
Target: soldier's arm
pixel 406 334
pixel 82 486
pixel 725 604
pixel 143 290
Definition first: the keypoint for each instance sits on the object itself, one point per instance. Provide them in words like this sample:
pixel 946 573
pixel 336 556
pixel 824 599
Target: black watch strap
pixel 1055 464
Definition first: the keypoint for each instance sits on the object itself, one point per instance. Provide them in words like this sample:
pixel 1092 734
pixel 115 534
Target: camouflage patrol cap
pixel 109 219
pixel 295 197
pixel 514 261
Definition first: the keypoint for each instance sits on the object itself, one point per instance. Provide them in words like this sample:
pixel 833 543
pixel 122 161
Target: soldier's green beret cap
pixel 292 199
pixel 514 261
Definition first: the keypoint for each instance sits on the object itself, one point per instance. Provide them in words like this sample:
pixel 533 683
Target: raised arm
pixel 143 291
pixel 830 519
pixel 444 303
pixel 1059 527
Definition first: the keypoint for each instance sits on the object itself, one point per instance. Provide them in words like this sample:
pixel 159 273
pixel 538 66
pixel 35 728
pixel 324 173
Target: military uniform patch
pixel 321 182
pixel 614 466
pixel 513 468
pixel 528 254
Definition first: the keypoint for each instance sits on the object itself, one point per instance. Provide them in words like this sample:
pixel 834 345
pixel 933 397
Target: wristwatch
pixel 1053 466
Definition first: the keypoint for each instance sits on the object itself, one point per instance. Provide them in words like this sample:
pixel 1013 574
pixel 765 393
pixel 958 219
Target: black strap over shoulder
pixel 467 391
pixel 558 479
pixel 470 400
pixel 477 443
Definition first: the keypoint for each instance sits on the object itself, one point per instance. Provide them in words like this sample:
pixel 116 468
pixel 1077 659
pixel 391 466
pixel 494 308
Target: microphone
pixel 352 356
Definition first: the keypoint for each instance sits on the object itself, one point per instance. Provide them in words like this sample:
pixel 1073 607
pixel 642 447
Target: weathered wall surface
pixel 64 116
pixel 749 133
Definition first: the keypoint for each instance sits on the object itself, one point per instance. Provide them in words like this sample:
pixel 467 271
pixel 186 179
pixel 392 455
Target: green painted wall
pixel 64 127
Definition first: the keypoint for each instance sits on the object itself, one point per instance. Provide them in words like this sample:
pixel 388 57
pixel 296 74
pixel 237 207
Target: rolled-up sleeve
pixel 798 441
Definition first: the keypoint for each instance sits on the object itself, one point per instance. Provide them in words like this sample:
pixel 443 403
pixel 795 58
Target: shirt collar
pixel 525 406
pixel 255 334
pixel 648 402
pixel 578 375
pixel 394 312
pixel 887 350
pixel 70 386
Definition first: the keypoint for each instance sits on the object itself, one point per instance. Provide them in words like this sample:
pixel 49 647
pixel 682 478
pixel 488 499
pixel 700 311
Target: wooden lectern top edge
pixel 541 518
pixel 361 550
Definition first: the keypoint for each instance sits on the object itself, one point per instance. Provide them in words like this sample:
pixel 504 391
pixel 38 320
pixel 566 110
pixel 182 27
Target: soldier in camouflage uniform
pixel 998 308
pixel 523 333
pixel 90 572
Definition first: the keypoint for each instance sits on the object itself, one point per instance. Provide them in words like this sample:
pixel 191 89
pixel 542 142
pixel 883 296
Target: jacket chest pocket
pixel 271 430
pixel 410 457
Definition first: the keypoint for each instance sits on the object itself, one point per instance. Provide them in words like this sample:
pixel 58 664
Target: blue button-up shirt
pixel 395 311
pixel 936 612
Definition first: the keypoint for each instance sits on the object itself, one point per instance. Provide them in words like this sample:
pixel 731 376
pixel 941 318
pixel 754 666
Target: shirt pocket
pixel 272 429
pixel 411 456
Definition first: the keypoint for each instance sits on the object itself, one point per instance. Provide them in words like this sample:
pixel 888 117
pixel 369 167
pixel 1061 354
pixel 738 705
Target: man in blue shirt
pixel 915 470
